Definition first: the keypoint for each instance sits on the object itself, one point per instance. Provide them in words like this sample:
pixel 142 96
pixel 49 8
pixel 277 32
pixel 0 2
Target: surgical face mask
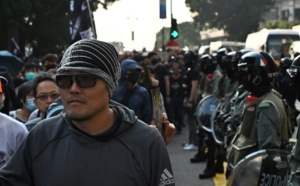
pixel 30 104
pixel 29 76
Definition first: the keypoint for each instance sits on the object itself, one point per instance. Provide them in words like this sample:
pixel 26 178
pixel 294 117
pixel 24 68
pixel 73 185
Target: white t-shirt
pixel 12 133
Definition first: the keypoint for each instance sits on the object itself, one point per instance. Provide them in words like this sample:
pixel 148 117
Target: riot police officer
pixel 265 123
pixel 211 84
pixel 294 73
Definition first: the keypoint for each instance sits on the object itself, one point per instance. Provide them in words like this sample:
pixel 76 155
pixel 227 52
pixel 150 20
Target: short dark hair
pixel 24 90
pixel 31 65
pixel 50 57
pixel 150 54
pixel 43 76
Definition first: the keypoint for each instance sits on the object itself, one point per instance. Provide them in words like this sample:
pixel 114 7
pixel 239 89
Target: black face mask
pixel 142 75
pixel 231 74
pixel 256 86
pixel 132 76
pixel 188 64
pixel 51 66
pixel 154 61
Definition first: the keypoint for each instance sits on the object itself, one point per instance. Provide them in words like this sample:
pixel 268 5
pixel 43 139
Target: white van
pixel 295 47
pixel 276 42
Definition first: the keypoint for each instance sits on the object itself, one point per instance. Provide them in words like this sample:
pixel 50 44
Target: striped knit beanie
pixel 93 57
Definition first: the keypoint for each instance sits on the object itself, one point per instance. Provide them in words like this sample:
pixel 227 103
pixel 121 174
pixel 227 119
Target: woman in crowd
pixel 25 95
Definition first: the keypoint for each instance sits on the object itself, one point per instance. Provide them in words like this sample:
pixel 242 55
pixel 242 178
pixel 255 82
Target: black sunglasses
pixel 82 80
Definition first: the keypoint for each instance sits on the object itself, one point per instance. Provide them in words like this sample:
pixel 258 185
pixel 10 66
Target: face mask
pixel 154 61
pixel 29 76
pixel 132 77
pixel 51 66
pixel 30 104
pixel 142 75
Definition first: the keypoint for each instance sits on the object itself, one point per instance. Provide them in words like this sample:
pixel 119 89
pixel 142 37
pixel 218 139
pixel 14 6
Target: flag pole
pixel 91 18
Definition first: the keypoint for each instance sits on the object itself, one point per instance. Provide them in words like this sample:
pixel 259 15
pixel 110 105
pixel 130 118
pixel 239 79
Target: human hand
pixel 169 128
pixel 168 99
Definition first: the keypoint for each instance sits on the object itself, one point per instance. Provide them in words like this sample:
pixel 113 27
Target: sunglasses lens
pixel 83 81
pixel 63 81
pixel 86 81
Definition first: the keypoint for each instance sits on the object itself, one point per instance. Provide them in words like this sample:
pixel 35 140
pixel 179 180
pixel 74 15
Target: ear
pixel 35 101
pixel 22 101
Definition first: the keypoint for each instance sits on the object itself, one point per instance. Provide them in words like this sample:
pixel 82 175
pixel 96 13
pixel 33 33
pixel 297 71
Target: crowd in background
pixel 183 79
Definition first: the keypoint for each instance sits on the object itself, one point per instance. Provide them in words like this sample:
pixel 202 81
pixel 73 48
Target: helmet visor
pixel 292 72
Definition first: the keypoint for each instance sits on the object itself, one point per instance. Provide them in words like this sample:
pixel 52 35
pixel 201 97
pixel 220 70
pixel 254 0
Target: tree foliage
pixel 236 17
pixel 43 23
pixel 188 35
pixel 279 24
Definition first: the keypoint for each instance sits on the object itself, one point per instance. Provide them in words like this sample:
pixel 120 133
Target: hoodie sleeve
pixel 161 169
pixel 17 171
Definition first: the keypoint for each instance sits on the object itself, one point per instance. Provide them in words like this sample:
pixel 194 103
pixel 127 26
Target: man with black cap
pixel 96 141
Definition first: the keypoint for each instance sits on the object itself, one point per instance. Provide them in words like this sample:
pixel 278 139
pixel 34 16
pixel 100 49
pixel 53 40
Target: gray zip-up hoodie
pixel 56 153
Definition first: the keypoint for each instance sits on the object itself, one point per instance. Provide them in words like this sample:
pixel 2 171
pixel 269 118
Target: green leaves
pixel 237 17
pixel 43 23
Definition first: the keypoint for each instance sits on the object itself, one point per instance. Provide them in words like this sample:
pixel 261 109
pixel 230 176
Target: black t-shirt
pixel 176 86
pixel 160 72
pixel 190 76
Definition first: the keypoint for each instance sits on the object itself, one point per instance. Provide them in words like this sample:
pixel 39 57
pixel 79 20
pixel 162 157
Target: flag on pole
pixel 15 48
pixel 81 20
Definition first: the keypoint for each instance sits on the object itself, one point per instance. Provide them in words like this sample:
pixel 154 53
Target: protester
pixel 161 73
pixel 31 69
pixel 147 79
pixel 113 146
pixel 25 95
pixel 131 94
pixel 191 81
pixel 177 95
pixel 10 93
pixel 50 62
pixel 12 132
pixel 45 92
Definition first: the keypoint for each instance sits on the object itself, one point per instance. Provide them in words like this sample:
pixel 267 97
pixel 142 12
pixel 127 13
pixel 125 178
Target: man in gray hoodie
pixel 95 141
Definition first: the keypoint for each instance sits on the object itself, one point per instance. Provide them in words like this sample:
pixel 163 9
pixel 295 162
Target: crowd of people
pixel 93 102
pixel 254 103
pixel 76 124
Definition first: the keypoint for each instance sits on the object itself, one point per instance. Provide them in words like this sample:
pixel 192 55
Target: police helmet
pixel 228 65
pixel 189 55
pixel 227 60
pixel 189 58
pixel 208 63
pixel 238 55
pixel 260 65
pixel 294 70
